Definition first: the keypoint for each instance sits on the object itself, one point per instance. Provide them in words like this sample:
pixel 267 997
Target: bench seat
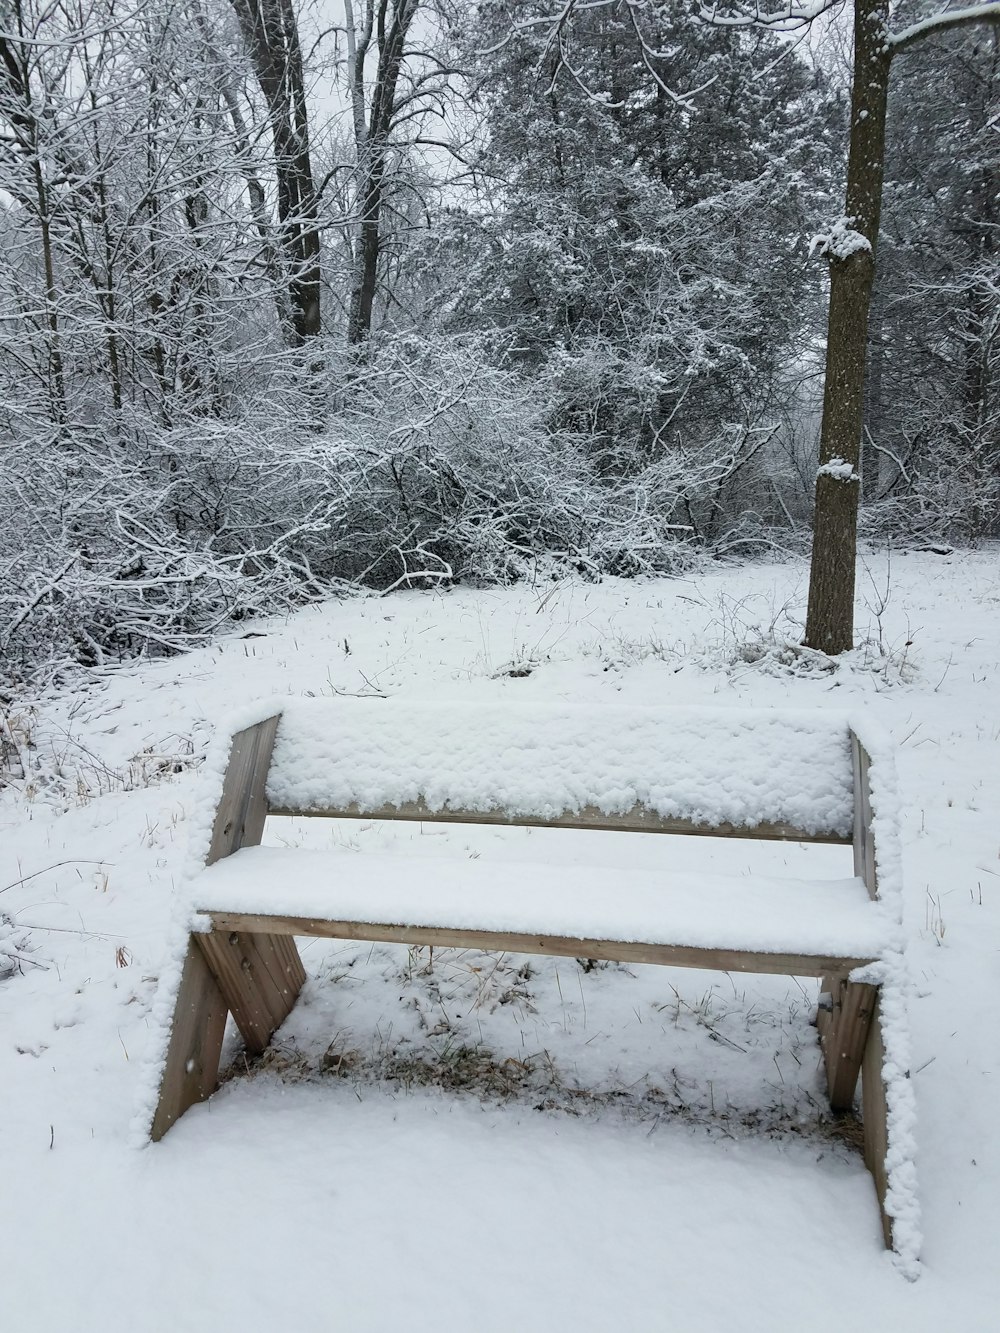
pixel 826 924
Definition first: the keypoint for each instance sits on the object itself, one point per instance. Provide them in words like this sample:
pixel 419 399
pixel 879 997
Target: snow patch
pixel 676 1195
pixel 839 241
pixel 839 469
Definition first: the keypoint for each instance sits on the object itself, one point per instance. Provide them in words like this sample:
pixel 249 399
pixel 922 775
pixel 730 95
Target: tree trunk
pixel 372 145
pixel 19 108
pixel 271 34
pixel 369 247
pixel 851 252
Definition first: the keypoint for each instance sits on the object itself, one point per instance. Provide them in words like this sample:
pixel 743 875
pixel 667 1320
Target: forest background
pixel 298 299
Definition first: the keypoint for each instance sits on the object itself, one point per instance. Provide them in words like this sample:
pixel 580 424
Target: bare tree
pixel 26 81
pixel 400 77
pixel 270 31
pixel 387 22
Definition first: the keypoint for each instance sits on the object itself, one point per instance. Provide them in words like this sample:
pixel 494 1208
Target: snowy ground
pixel 473 1142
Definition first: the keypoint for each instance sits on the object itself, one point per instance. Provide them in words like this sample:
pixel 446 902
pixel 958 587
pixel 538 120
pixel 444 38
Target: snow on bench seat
pixel 821 918
pixel 710 766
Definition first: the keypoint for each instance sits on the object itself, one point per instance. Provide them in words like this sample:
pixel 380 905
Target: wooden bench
pixel 802 777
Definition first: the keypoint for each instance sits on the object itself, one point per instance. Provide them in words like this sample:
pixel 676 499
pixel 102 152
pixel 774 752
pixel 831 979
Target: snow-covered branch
pixel 784 18
pixel 944 21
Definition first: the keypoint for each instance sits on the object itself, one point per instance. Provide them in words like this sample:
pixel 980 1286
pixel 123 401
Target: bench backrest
pixel 761 774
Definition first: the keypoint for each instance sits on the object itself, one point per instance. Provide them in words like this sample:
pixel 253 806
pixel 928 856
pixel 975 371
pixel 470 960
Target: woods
pixel 400 293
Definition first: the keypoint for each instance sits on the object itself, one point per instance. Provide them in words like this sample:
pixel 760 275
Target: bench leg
pixel 874 1112
pixel 844 1029
pixel 256 976
pixel 259 976
pixel 191 1069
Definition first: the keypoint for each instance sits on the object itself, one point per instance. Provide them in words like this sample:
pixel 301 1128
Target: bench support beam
pixel 875 1118
pixel 557 946
pixel 260 976
pixel 863 836
pixel 255 975
pixel 843 1030
pixel 242 808
pixel 191 1070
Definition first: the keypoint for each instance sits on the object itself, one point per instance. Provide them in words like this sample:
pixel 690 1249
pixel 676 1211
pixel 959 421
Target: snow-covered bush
pixel 951 495
pixel 424 465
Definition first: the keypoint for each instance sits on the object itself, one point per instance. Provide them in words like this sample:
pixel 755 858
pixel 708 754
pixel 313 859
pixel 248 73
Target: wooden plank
pixel 242 808
pixel 288 963
pixel 279 971
pixel 622 951
pixel 191 1070
pixel 637 820
pixel 829 987
pixel 863 838
pixel 843 1037
pixel 260 976
pixel 874 1113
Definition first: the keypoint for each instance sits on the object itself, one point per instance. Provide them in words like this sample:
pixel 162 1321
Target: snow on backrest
pixel 711 766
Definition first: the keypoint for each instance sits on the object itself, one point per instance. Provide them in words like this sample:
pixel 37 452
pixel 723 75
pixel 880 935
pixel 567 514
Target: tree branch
pixel 787 18
pixel 942 22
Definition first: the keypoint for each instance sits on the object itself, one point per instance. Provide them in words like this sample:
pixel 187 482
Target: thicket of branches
pixel 933 403
pixel 433 466
pixel 525 300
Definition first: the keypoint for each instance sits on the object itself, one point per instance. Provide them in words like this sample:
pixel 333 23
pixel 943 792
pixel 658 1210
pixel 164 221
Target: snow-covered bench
pixel 804 777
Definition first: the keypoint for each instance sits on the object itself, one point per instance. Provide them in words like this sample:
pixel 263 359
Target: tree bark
pixel 874 422
pixel 830 618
